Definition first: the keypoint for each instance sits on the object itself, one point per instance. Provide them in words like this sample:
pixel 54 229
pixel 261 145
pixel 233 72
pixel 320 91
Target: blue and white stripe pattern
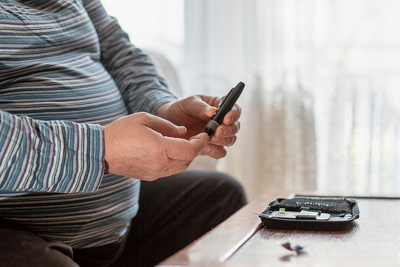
pixel 66 68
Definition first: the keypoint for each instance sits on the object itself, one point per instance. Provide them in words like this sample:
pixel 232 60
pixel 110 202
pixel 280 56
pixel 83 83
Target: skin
pixel 148 147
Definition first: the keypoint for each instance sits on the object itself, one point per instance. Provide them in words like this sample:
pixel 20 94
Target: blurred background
pixel 322 99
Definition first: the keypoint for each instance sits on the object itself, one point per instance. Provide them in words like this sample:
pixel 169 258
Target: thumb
pixel 182 149
pixel 199 141
pixel 198 108
pixel 164 127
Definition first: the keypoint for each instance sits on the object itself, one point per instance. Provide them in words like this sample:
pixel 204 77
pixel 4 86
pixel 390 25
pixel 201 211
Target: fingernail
pixel 222 131
pixel 211 109
pixel 182 129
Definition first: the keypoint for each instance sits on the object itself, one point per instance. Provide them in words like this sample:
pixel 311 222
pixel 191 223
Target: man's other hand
pixel 147 147
pixel 194 112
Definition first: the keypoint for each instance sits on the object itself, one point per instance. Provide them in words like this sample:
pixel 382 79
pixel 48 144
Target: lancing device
pixel 224 107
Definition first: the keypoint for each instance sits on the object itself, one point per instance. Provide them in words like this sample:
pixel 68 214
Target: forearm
pixel 49 156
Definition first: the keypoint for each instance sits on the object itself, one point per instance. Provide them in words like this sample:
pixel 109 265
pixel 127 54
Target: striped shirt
pixel 66 68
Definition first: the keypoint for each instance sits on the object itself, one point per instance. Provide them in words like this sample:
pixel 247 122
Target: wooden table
pixel 372 240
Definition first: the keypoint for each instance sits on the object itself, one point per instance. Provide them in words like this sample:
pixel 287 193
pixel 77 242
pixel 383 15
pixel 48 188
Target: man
pixel 81 111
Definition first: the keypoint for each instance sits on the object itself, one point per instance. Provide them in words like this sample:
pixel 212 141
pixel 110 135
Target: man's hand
pixel 147 147
pixel 194 112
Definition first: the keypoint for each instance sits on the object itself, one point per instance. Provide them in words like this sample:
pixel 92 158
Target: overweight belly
pixel 80 91
pixel 80 220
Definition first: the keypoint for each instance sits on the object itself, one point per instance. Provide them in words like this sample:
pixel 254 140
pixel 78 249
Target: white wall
pixel 152 24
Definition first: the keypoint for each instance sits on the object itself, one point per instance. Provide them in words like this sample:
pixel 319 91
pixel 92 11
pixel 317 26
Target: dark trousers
pixel 174 211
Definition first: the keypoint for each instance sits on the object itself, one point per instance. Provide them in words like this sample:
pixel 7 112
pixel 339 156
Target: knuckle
pixel 238 126
pixel 227 141
pixel 141 114
pixel 191 154
pixel 194 97
pixel 233 141
pixel 220 153
pixel 223 154
pixel 144 116
pixel 239 109
pixel 171 126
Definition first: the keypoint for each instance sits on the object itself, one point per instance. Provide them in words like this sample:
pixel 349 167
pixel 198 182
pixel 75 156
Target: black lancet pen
pixel 224 107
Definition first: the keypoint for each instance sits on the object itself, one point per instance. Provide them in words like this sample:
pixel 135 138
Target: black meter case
pixel 310 213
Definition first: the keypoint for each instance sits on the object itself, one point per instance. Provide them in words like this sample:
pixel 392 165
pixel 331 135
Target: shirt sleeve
pixel 136 77
pixel 49 156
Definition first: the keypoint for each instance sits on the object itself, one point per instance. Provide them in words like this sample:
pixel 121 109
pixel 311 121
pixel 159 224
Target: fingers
pixel 181 152
pixel 211 100
pixel 164 127
pixel 196 107
pixel 185 150
pixel 227 141
pixel 224 136
pixel 233 115
pixel 214 151
pixel 227 131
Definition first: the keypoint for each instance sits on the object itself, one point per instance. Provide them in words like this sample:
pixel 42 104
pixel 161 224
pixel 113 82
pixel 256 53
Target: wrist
pixel 106 151
pixel 162 111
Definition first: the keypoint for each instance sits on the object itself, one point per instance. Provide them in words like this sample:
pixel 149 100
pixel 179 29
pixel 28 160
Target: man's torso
pixel 50 69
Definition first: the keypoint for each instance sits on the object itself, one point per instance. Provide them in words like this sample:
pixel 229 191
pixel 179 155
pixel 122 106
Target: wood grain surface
pixel 372 240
